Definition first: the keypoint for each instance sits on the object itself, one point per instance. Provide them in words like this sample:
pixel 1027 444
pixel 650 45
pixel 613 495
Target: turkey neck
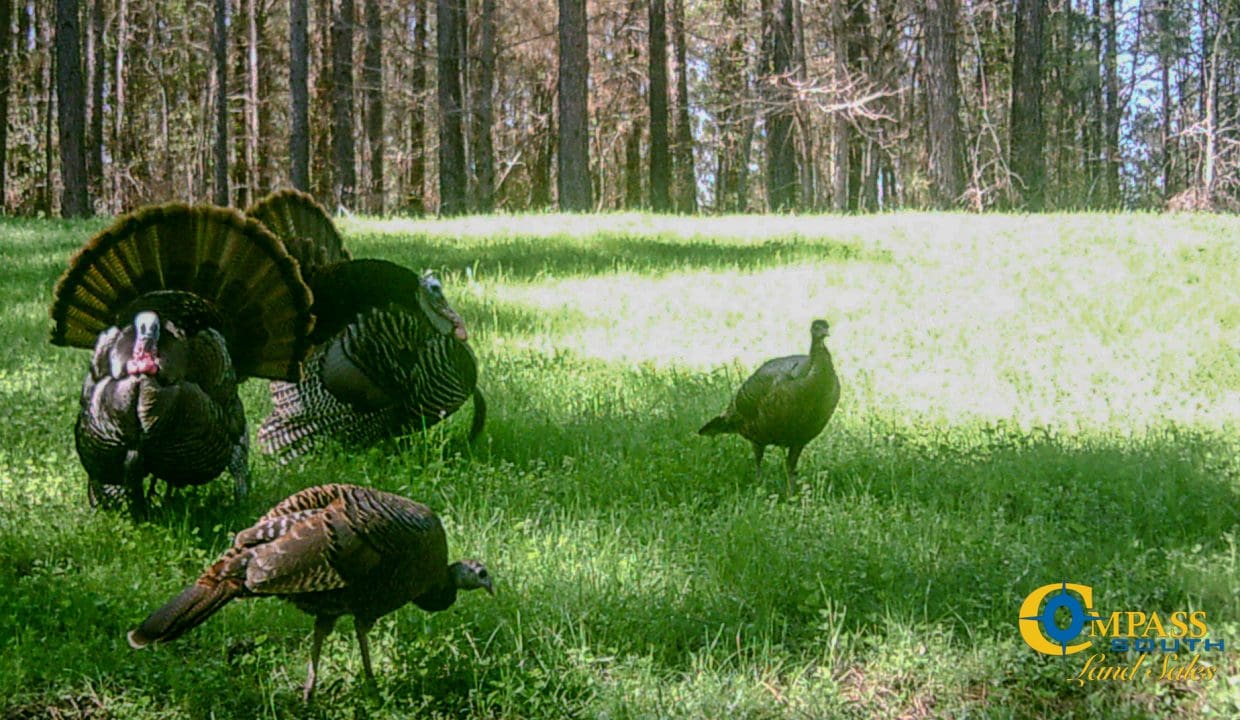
pixel 440 598
pixel 819 358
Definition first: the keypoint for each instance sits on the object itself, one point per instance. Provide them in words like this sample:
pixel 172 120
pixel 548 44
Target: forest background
pixel 451 106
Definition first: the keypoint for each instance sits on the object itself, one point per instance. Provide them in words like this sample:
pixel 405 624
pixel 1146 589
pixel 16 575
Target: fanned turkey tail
pixel 205 266
pixel 221 583
pixel 304 225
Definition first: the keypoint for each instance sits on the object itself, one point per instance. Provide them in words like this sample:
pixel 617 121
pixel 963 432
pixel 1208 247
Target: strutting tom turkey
pixel 331 550
pixel 390 353
pixel 786 402
pixel 179 304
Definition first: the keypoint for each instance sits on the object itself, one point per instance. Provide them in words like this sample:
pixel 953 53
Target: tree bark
pixel 372 77
pixel 1164 71
pixel 417 121
pixel 483 116
pixel 1110 79
pixel 633 166
pixel 6 88
pixel 95 78
pixel 807 176
pixel 1028 130
pixel 222 194
pixel 544 146
pixel 71 109
pixel 573 177
pixel 344 184
pixel 1210 161
pixel 781 161
pixel 321 112
pixel 251 103
pixel 49 104
pixel 451 22
pixel 686 177
pixel 299 90
pixel 730 76
pixel 266 126
pixel 943 102
pixel 660 158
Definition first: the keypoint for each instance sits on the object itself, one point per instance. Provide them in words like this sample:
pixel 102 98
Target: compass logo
pixel 1042 630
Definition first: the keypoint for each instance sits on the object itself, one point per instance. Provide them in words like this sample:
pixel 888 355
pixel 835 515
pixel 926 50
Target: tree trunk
pixel 49 104
pixel 660 159
pixel 267 130
pixel 451 27
pixel 1110 75
pixel 299 90
pixel 573 177
pixel 841 126
pixel 321 113
pixel 686 177
pixel 730 75
pixel 417 121
pixel 1028 131
pixel 372 77
pixel 633 166
pixel 345 180
pixel 71 109
pixel 251 103
pixel 544 147
pixel 781 160
pixel 943 102
pixel 1164 71
pixel 222 194
pixel 483 116
pixel 1210 161
pixel 804 123
pixel 1096 114
pixel 6 89
pixel 95 78
pixel 239 173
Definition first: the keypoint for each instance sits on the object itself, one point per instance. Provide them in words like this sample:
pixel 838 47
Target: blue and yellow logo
pixel 1041 630
pixel 1060 619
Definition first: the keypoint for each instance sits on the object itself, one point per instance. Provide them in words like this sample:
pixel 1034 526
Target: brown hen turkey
pixel 331 550
pixel 786 402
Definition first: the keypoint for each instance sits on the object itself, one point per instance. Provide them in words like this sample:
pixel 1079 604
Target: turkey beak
pixel 486 585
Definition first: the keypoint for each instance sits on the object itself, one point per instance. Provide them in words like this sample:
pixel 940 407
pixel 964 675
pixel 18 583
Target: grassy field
pixel 1026 400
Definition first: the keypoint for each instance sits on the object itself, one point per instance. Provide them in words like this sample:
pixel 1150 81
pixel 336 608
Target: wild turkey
pixel 331 550
pixel 390 353
pixel 786 402
pixel 179 304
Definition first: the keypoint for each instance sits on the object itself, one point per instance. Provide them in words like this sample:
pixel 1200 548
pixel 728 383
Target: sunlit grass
pixel 1027 399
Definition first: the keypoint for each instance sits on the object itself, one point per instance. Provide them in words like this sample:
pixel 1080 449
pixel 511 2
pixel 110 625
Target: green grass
pixel 1027 399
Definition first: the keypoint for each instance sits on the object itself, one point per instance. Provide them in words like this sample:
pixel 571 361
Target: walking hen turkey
pixel 331 550
pixel 390 353
pixel 786 402
pixel 179 304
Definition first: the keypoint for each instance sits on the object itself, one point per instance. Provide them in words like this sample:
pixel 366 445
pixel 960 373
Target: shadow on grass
pixel 897 523
pixel 526 258
pixel 894 520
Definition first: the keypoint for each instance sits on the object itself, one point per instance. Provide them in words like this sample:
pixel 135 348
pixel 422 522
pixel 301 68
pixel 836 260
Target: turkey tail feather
pixel 718 426
pixel 480 415
pixel 304 226
pixel 186 611
pixel 201 265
